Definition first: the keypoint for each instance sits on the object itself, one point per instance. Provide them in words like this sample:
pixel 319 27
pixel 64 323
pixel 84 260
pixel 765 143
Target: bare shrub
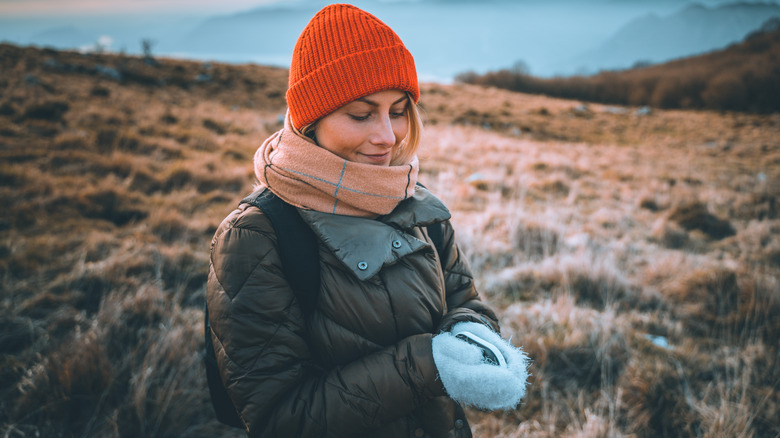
pixel 591 279
pixel 62 323
pixel 43 303
pixel 755 316
pixel 696 216
pixel 171 371
pixel 68 389
pixel 669 234
pixel 145 181
pixel 168 225
pixel 102 116
pixel 16 333
pixel 98 246
pixel 72 140
pixel 536 241
pixel 517 283
pixel 12 176
pixel 716 301
pixel 589 367
pixel 113 205
pixel 132 142
pixel 760 242
pixel 213 125
pixel 654 398
pixel 185 274
pixel 169 119
pixel 575 350
pixel 601 288
pixel 727 411
pixel 42 128
pixel 649 203
pixel 759 205
pixel 106 139
pixel 726 90
pixel 50 110
pixel 8 129
pixel 99 91
pixel 7 109
pixel 28 258
pixel 554 186
pixel 178 177
pixel 231 183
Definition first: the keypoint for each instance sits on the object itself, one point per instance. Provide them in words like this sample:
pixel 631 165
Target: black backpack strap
pixel 298 248
pixel 298 251
pixel 223 406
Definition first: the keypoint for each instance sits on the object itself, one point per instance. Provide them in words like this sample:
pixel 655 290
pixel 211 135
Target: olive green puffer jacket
pixel 362 365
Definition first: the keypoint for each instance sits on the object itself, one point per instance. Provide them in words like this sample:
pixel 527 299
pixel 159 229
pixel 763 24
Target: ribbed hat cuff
pixel 348 78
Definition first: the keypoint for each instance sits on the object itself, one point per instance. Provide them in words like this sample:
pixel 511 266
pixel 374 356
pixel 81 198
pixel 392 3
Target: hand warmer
pixel 469 379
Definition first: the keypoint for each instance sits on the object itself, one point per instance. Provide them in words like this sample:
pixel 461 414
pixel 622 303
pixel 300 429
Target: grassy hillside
pixel 635 255
pixel 742 77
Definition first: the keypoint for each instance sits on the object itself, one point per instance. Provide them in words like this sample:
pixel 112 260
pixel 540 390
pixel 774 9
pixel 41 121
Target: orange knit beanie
pixel 345 53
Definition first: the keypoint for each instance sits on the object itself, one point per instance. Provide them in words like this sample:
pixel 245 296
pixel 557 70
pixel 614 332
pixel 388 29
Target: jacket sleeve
pixel 259 338
pixel 463 301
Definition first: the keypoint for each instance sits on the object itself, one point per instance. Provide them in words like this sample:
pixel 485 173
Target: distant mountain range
pixel 447 38
pixel 63 36
pixel 269 31
pixel 693 30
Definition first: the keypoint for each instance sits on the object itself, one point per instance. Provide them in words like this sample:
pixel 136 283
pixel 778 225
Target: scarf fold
pixel 308 176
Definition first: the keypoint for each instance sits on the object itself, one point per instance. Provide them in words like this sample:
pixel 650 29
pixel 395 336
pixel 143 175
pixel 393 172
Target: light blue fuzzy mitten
pixel 469 379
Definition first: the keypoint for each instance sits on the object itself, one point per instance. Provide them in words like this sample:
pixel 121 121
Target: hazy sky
pixel 38 8
pixel 31 8
pixel 549 36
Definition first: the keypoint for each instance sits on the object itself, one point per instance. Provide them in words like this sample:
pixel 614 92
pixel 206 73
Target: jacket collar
pixel 364 246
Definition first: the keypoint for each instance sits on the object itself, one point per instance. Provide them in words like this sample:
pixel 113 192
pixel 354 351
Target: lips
pixel 378 158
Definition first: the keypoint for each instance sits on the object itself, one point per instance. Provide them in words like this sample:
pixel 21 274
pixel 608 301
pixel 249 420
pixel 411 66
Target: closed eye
pixel 399 112
pixel 360 118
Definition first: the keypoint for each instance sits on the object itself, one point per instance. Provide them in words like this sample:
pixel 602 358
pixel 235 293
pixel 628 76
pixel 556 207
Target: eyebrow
pixel 372 103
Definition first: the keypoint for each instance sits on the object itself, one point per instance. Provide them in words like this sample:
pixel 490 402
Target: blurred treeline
pixel 743 77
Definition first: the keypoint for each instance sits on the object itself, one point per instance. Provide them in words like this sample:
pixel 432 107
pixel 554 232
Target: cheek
pixel 338 138
pixel 348 137
pixel 400 128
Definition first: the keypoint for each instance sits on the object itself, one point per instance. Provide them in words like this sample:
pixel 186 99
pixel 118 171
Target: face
pixel 367 130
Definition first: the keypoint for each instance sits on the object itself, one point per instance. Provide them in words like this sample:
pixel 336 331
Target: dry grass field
pixel 634 253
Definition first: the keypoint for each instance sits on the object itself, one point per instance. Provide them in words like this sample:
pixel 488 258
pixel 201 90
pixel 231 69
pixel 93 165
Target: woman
pixel 377 356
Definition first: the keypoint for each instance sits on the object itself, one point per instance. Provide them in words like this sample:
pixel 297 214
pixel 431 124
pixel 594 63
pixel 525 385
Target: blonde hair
pixel 409 145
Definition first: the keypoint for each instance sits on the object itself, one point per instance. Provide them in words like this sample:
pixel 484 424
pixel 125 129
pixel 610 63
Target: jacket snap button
pixel 419 432
pixel 459 424
pixel 396 244
pixel 362 266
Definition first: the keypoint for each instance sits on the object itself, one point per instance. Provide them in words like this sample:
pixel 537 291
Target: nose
pixel 383 134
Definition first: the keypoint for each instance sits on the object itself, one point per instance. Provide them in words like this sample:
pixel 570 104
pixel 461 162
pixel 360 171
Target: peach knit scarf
pixel 308 176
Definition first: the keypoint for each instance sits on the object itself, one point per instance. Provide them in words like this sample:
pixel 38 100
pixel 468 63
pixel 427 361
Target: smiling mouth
pixel 379 158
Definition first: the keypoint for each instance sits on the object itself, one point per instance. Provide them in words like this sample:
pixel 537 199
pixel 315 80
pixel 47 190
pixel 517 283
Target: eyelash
pixel 365 117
